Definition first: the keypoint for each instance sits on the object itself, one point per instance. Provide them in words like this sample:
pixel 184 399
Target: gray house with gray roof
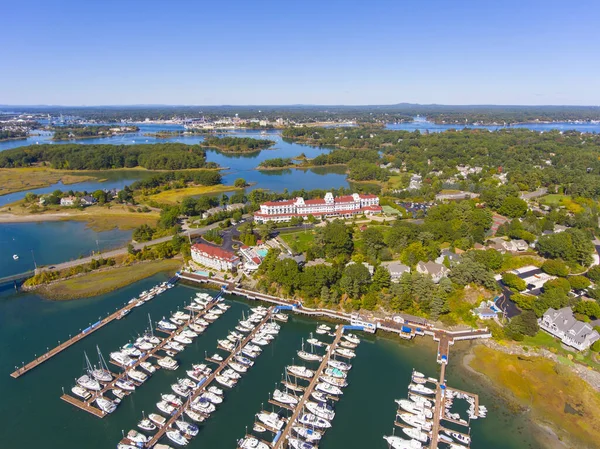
pixel 572 332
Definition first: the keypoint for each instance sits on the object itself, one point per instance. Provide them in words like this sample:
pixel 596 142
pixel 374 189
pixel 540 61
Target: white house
pixel 436 270
pixel 562 324
pixel 214 257
pixel 396 269
pixel 67 201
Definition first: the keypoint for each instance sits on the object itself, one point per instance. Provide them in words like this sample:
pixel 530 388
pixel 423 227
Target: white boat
pixel 252 443
pixel 309 435
pixel 157 419
pixel 137 375
pixel 187 383
pixel 257 340
pixel 203 405
pixel 345 352
pixel 165 407
pixel 197 328
pixel 400 443
pixel 324 327
pixel 194 416
pixel 181 390
pixel 420 400
pixel 327 388
pixel 271 419
pixel 211 397
pixel 15 257
pixel 89 383
pixel 418 374
pixel 318 396
pixel 300 371
pixel 106 405
pixel 102 373
pixel 125 384
pixel 148 367
pixel 231 374
pixel 249 353
pixel 315 342
pixel 187 428
pixel 334 381
pixel 225 381
pixel 226 345
pixel 339 365
pixel 121 359
pixel 217 357
pixel 182 339
pixel 414 408
pixel 322 410
pixel 351 338
pixel 168 363
pixel 147 425
pixel 259 428
pixel 181 316
pixel 118 393
pixel 417 421
pixel 216 390
pixel 309 356
pixel 421 389
pixel 175 346
pixel 419 380
pixel 416 434
pixel 176 437
pixel 166 325
pixel 282 317
pixel 81 392
pixel 285 398
pixel 243 360
pixel 137 437
pixel 197 375
pixel 347 344
pixel 296 443
pixel 171 399
pixel 211 316
pixel 334 372
pixel 130 350
pixel 143 345
pixel 459 437
pixel 238 367
pixel 310 420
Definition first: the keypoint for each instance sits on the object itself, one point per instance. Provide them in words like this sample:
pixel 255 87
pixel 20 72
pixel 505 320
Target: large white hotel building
pixel 341 206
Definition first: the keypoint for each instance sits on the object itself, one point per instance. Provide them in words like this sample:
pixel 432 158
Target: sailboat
pixel 102 373
pixel 87 380
pixel 309 356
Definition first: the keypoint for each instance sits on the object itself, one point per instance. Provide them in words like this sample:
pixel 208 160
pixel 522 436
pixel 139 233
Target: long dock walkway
pixel 71 341
pixel 282 441
pixel 87 404
pixel 160 432
pixel 438 410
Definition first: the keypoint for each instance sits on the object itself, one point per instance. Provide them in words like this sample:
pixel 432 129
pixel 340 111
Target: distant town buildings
pixel 341 206
pixel 572 332
pixel 214 257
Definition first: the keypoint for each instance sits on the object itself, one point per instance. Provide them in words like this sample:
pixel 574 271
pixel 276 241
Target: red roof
pixel 279 203
pixel 344 199
pixel 368 197
pixel 315 201
pixel 214 252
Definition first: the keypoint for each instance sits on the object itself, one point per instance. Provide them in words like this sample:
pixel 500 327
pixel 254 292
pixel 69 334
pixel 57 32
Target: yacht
pixel 211 316
pixel 292 386
pixel 339 365
pixel 345 352
pixel 182 339
pixel 352 338
pixel 203 405
pixel 400 443
pixel 148 367
pixel 89 382
pixel 419 380
pixel 315 342
pixel 414 408
pixel 168 363
pixel 259 428
pixel 416 434
pixel 81 392
pixel 121 359
pixel 102 373
pixel 130 350
pixel 323 327
pixel 300 371
pixel 187 428
pixel 118 393
pixel 243 360
pixel 347 344
pixel 197 328
pixel 238 367
pixel 143 345
pixel 211 397
pixel 163 324
pixel 197 375
pixel 253 348
pixel 181 316
pixel 181 390
pixel 296 443
pixel 106 405
pixel 322 410
pixel 252 443
pixel 138 376
pixel 166 408
pixel 176 437
pixel 309 435
pixel 310 420
pixel 216 390
pixel 420 400
pixel 175 346
pixel 137 437
pixel 285 398
pixel 271 420
pixel 465 439
pixel 171 399
pixel 318 396
pixel 147 425
pixel 217 357
pixel 194 416
pixel 249 353
pixel 334 381
pixel 187 383
pixel 225 381
pixel 157 419
pixel 259 340
pixel 417 421
pixel 334 372
pixel 226 345
pixel 421 389
pixel 282 317
pixel 231 374
pixel 125 384
pixel 309 356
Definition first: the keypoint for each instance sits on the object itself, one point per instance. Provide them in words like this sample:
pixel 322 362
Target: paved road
pixel 539 192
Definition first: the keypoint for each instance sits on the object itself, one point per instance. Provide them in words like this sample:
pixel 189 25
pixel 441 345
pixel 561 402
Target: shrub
pixel 514 282
pixel 555 267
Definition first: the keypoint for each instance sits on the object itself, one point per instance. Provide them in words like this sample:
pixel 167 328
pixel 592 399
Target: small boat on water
pixel 252 443
pixel 339 365
pixel 189 429
pixel 347 344
pixel 89 383
pixel 465 439
pixel 351 338
pixel 416 434
pixel 271 420
pixel 171 399
pixel 176 437
pixel 400 443
pixel 163 324
pixel 165 407
pixel 194 416
pixel 137 437
pixel 181 390
pixel 300 371
pixel 421 389
pixel 318 396
pixel 157 419
pixel 182 339
pixel 345 352
pixel 297 443
pixel 334 381
pixel 106 405
pixel 148 367
pixel 168 363
pixel 216 390
pixel 225 381
pixel 125 384
pixel 137 375
pixel 15 257
pixel 203 405
pixel 238 367
pixel 309 356
pixel 327 388
pixel 121 359
pixel 321 409
pixel 315 342
pixel 211 397
pixel 147 425
pixel 334 372
pixel 285 398
pixel 414 408
pixel 417 421
pixel 217 357
pixel 309 435
pixel 420 400
pixel 81 392
pixel 312 421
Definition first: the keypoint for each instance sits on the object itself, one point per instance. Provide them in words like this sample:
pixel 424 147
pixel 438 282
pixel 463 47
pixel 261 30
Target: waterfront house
pixel 436 270
pixel 487 310
pixel 68 201
pixel 572 332
pixel 396 269
pixel 214 257
pixel 87 200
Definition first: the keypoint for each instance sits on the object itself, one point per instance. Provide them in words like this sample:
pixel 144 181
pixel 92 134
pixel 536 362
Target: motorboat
pixel 400 443
pixel 309 435
pixel 214 398
pixel 347 344
pixel 201 322
pixel 300 371
pixel 297 443
pixel 130 350
pixel 137 375
pixel 315 342
pixel 461 438
pixel 102 373
pixel 292 386
pixel 231 374
pixel 252 354
pixel 164 324
pixel 414 408
pixel 174 345
pixel 420 400
pixel 118 393
pixel 310 420
pixel 197 328
pixel 81 392
pixel 181 316
pixel 203 405
pixel 187 428
pixel 224 307
pixel 176 437
pixel 89 383
pixel 271 420
pixel 182 339
pixel 238 367
pixel 217 357
pixel 421 389
pixel 281 317
pixel 157 419
pixel 324 327
pixel 339 365
pixel 148 367
pixel 216 390
pixel 194 415
pixel 187 383
pixel 243 360
pixel 253 348
pixel 418 374
pixel 334 372
pixel 259 428
pixel 171 399
pixel 334 381
pixel 147 425
pixel 121 359
pixel 259 340
pixel 106 405
pixel 125 384
pixel 318 396
pixel 417 421
pixel 327 388
pixel 285 398
pixel 416 434
pixel 176 322
pixel 210 316
pixel 345 352
pixel 168 363
pixel 242 329
pixel 321 409
pixel 137 437
pixel 225 381
pixel 309 356
pixel 226 345
pixel 351 338
pixel 419 380
pixel 181 390
pixel 252 443
pixel 197 375
pixel 166 408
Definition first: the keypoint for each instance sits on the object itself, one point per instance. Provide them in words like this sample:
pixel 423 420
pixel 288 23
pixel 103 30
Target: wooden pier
pixel 71 341
pixel 160 432
pixel 282 441
pixel 87 404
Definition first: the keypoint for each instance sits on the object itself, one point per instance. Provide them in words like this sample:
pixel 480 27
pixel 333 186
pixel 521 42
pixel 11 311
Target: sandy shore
pixel 11 218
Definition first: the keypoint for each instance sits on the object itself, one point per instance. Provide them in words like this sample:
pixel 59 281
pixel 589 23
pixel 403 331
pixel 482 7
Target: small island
pixel 88 132
pixel 237 145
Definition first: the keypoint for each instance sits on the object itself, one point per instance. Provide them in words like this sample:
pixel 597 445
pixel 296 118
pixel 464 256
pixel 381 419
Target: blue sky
pixel 288 52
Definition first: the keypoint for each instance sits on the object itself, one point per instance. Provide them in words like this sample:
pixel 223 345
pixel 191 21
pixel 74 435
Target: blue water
pixel 262 252
pixel 51 242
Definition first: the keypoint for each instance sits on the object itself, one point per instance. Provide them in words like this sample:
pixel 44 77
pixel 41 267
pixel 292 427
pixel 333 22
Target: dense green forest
pixel 277 162
pixel 237 144
pixel 78 132
pixel 7 134
pixel 160 156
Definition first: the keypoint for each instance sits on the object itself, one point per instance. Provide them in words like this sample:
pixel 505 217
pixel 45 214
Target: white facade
pixel 213 257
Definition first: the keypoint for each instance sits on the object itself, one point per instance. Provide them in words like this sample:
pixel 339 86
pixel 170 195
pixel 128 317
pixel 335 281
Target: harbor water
pixel 381 373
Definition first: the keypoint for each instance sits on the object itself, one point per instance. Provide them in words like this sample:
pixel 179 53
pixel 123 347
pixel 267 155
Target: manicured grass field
pixel 389 210
pixel 97 283
pixel 299 241
pixel 553 199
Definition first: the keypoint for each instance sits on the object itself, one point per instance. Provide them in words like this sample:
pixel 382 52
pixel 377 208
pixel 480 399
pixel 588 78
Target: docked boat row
pixel 317 404
pixel 146 296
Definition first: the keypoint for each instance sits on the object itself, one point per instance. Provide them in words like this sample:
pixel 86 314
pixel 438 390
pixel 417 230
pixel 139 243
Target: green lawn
pixel 390 210
pixel 299 241
pixel 553 199
pixel 545 340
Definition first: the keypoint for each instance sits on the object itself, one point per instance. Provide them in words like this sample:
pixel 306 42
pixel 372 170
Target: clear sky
pixel 91 52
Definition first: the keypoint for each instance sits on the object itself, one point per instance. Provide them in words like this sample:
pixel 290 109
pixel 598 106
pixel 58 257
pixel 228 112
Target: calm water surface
pixel 366 412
